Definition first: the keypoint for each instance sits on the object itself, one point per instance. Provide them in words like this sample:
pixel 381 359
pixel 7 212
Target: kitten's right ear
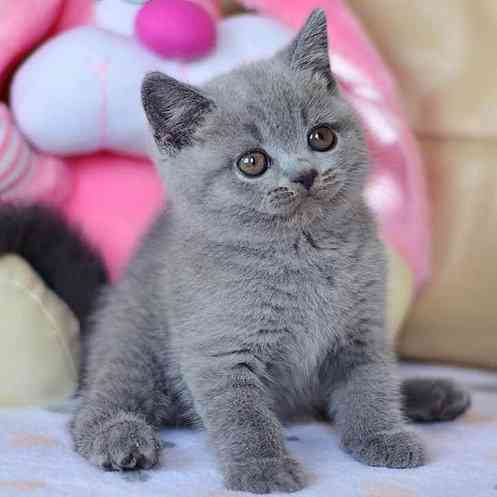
pixel 173 109
pixel 309 49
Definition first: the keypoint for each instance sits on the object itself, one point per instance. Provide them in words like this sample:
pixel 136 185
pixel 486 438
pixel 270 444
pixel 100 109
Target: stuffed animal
pixel 177 29
pixel 108 114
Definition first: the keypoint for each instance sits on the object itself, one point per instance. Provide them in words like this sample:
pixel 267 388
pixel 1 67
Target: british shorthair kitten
pixel 259 294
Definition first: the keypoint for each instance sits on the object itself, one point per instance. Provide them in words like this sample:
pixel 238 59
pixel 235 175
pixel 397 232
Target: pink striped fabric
pixel 26 176
pixel 15 156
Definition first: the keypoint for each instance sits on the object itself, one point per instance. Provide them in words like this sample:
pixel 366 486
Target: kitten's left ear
pixel 174 110
pixel 309 49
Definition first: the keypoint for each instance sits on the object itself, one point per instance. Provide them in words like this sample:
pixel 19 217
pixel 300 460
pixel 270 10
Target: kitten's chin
pixel 301 213
pixel 307 211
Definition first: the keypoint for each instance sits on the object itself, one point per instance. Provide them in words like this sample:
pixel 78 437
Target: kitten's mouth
pixel 302 203
pixel 294 206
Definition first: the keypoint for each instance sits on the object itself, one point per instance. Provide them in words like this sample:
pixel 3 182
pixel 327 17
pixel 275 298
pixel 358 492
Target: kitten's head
pixel 272 139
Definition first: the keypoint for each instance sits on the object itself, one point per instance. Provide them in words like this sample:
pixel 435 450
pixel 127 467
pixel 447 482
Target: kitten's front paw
pixel 263 476
pixel 392 449
pixel 123 442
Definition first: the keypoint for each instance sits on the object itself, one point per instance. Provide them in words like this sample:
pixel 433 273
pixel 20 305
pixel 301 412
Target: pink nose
pixel 176 29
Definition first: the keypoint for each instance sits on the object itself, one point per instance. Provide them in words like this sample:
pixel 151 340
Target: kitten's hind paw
pixel 392 449
pixel 124 442
pixel 434 399
pixel 265 475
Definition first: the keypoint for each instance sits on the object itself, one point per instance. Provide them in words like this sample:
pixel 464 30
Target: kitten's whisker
pixel 280 204
pixel 329 179
pixel 279 189
pixel 277 197
pixel 329 184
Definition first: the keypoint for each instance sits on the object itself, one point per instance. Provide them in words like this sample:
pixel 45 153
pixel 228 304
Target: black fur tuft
pixel 64 260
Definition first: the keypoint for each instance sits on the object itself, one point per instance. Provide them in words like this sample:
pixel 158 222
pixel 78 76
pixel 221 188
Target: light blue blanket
pixel 36 459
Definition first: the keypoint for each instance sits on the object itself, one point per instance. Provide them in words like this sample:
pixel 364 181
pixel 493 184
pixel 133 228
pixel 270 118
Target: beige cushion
pixel 39 339
pixel 455 318
pixel 400 291
pixel 443 55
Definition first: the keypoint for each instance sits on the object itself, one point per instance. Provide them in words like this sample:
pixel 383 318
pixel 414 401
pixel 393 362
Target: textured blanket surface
pixel 36 458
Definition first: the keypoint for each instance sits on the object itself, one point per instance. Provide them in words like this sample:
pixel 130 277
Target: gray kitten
pixel 259 295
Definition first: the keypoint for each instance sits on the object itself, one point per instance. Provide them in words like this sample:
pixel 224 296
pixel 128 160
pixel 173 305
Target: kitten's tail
pixel 58 252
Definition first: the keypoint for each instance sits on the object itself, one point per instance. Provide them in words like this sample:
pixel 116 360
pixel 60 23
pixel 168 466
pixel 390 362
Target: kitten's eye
pixel 322 138
pixel 253 163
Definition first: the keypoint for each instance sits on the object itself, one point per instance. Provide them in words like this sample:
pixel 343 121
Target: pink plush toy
pixel 26 175
pixel 181 29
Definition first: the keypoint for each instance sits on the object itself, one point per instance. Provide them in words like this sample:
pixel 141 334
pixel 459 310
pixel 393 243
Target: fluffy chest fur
pixel 278 308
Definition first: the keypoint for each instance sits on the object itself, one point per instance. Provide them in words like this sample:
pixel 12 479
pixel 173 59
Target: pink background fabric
pixel 23 24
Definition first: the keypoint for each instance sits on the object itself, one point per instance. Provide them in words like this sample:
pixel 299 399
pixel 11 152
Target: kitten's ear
pixel 309 49
pixel 173 109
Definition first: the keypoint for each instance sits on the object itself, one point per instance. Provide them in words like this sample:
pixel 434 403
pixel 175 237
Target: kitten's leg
pixel 434 399
pixel 122 404
pixel 246 434
pixel 367 410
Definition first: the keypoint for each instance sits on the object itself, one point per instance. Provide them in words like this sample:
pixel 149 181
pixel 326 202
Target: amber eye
pixel 253 163
pixel 322 138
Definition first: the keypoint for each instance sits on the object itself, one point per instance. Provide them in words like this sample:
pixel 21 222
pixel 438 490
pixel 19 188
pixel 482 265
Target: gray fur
pixel 434 399
pixel 250 302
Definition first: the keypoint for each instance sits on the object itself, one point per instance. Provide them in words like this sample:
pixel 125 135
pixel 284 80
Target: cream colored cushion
pixel 39 339
pixel 400 292
pixel 443 55
pixel 455 318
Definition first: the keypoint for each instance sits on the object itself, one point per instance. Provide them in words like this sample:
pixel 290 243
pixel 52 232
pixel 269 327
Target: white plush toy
pixel 80 92
pixel 117 16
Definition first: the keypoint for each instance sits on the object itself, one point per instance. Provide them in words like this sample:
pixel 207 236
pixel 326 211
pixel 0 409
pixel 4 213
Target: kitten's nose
pixel 305 178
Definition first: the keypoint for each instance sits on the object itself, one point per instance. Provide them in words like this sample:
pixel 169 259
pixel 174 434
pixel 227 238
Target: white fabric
pixel 36 458
pixel 80 92
pixel 117 15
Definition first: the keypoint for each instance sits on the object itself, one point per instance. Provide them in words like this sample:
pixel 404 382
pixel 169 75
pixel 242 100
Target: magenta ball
pixel 176 29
